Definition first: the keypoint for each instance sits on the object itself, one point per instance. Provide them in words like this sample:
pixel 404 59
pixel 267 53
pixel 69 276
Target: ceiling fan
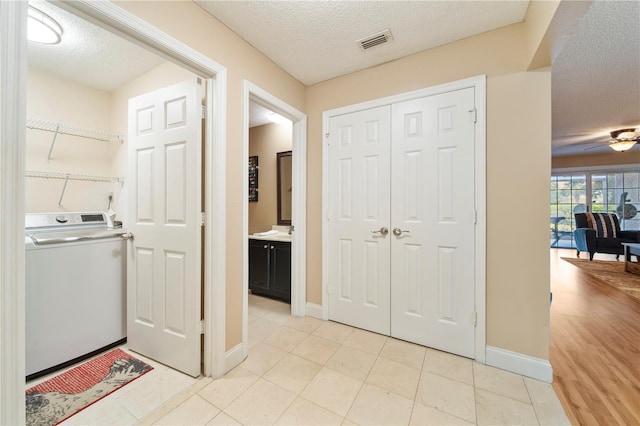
pixel 623 139
pixel 620 140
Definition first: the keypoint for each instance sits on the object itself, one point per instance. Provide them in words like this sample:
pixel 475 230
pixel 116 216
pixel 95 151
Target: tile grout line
pixel 531 400
pixel 475 393
pixel 415 394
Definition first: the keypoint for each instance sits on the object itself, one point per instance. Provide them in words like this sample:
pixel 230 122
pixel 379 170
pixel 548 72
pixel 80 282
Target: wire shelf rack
pixel 65 129
pixel 72 176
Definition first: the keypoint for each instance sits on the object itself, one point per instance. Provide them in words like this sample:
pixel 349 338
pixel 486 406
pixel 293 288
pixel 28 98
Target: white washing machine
pixel 75 288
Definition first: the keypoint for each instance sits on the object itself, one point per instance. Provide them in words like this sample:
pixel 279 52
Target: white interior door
pixel 164 184
pixel 433 213
pixel 359 213
pixel 408 167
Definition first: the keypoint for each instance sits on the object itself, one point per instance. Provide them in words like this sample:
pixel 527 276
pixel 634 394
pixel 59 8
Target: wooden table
pixel 632 249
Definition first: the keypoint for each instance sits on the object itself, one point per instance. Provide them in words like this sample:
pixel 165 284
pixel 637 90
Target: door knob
pixel 397 231
pixel 382 231
pixel 127 236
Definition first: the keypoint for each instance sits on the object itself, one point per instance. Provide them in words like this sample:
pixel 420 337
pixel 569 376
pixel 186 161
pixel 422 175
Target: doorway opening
pixel 114 19
pixel 259 98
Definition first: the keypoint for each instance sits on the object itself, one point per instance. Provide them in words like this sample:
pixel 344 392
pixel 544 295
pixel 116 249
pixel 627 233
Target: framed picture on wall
pixel 253 178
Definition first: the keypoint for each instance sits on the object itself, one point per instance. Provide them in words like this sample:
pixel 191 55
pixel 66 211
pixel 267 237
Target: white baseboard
pixel 233 357
pixel 313 310
pixel 515 362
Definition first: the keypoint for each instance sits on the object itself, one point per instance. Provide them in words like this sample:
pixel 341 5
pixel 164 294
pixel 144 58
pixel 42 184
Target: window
pixel 607 191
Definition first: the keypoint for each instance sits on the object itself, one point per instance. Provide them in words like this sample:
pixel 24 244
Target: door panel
pixel 258 265
pixel 280 281
pixel 164 180
pixel 432 203
pixel 359 256
pixel 143 299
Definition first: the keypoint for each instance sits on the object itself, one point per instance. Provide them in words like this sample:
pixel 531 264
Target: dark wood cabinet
pixel 270 269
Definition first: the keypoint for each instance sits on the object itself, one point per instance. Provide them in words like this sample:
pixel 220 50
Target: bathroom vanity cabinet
pixel 270 268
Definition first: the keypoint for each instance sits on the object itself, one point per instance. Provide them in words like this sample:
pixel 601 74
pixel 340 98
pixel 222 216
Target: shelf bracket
pixel 64 188
pixel 53 142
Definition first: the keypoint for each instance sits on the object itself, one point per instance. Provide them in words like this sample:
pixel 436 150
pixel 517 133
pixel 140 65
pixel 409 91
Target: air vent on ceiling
pixel 375 39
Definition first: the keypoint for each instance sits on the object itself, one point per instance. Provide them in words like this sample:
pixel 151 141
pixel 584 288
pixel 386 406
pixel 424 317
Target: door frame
pixel 13 57
pixel 117 20
pixel 253 93
pixel 479 84
pixel 13 100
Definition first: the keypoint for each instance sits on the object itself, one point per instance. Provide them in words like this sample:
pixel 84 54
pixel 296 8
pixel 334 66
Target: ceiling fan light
pixel 621 145
pixel 627 135
pixel 42 28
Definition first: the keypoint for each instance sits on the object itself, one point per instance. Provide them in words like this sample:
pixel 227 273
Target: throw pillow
pixel 605 224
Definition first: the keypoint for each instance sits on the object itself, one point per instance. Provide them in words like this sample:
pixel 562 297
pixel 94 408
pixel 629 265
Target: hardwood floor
pixel 595 347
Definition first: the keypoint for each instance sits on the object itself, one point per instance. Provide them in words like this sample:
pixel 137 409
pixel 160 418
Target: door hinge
pixel 203 112
pixel 474 217
pixel 474 318
pixel 474 115
pixel 201 325
pixel 202 218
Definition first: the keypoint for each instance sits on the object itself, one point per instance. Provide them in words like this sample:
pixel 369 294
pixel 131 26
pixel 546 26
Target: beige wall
pixel 265 142
pixel 204 33
pixel 58 100
pixel 539 36
pixel 517 276
pixel 518 171
pixel 610 159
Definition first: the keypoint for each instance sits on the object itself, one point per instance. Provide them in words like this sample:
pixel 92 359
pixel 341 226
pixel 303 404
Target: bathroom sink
pixel 272 235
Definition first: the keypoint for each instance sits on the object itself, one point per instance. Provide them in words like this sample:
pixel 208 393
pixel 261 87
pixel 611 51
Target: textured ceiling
pixel 316 40
pixel 596 79
pixel 258 115
pixel 88 54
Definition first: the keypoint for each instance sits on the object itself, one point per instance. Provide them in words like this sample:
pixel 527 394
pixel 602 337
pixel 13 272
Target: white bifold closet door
pixel 359 187
pixel 407 168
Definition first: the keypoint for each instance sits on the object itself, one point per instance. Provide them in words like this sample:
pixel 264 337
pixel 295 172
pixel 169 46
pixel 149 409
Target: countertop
pixel 280 236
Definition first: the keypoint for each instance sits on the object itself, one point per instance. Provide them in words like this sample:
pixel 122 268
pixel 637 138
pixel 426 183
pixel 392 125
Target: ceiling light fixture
pixel 623 139
pixel 42 28
pixel 621 146
pixel 277 118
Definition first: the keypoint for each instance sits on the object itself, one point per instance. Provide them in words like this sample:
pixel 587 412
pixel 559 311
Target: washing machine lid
pixel 68 227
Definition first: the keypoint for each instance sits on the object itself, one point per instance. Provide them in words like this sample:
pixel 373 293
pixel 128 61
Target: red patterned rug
pixel 70 392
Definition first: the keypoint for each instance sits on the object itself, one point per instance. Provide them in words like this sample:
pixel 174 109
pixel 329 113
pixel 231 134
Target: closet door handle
pixel 382 231
pixel 397 231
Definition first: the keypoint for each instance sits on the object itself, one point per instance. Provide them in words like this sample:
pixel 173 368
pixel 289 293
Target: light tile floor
pixel 303 371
